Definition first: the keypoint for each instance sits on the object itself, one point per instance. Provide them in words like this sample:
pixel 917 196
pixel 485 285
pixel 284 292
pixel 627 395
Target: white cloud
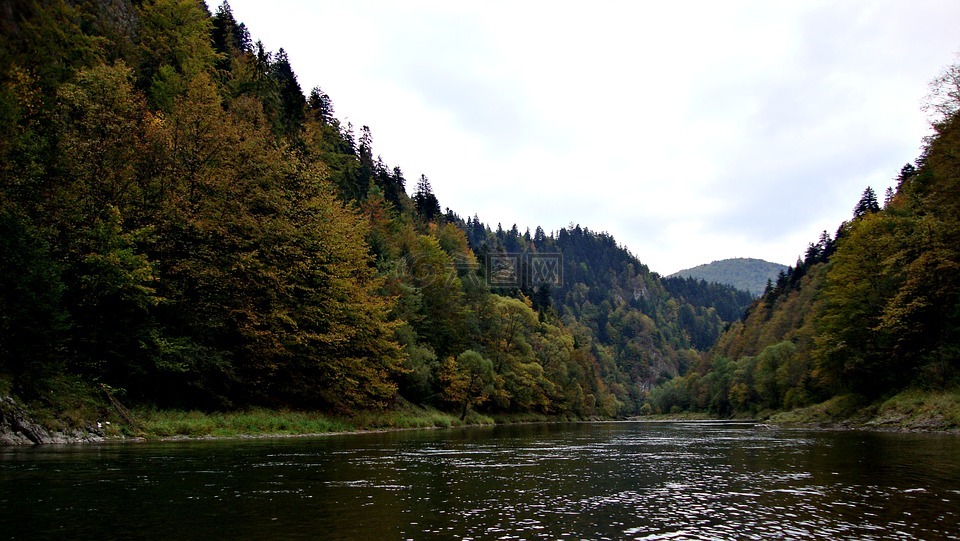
pixel 691 131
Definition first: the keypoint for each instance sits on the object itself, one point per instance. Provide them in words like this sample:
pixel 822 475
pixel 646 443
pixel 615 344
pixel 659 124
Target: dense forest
pixel 867 313
pixel 182 226
pixel 742 273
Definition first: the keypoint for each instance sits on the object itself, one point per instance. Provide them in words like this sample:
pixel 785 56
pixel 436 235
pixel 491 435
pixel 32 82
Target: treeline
pixel 870 312
pixel 181 225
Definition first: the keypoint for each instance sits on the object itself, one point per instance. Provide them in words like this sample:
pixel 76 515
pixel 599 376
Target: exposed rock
pixel 17 427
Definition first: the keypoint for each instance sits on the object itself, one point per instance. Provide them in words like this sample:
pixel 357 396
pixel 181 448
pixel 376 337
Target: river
pixel 697 480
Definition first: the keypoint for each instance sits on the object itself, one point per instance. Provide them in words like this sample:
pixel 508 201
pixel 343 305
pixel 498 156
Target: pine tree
pixel 321 106
pixel 230 38
pixel 906 172
pixel 292 100
pixel 427 205
pixel 867 205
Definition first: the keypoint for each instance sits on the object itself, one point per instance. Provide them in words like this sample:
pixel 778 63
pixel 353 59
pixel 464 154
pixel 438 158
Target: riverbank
pixel 81 417
pixel 18 426
pixel 911 410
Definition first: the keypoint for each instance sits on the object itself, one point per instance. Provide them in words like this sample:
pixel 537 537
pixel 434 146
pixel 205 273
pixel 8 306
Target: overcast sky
pixel 691 131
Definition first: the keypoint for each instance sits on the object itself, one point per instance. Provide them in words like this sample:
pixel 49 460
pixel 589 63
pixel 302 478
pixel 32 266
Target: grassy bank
pixel 154 424
pixel 913 409
pixel 682 416
pixel 157 424
pixel 69 403
pixel 72 404
pixel 908 410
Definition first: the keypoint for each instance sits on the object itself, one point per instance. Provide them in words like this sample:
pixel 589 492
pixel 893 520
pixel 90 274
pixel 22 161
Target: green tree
pixel 230 37
pixel 441 318
pixel 867 205
pixel 427 205
pixel 175 47
pixel 850 350
pixel 292 101
pixel 101 141
pixel 112 294
pixel 467 381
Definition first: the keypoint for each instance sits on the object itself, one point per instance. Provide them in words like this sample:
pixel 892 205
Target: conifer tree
pixel 867 205
pixel 321 106
pixel 292 100
pixel 428 207
pixel 230 38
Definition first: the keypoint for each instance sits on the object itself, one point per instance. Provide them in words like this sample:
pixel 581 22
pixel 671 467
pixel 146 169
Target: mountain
pixel 743 273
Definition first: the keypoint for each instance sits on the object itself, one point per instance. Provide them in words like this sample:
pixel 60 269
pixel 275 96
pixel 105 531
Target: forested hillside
pixel 182 226
pixel 745 274
pixel 866 314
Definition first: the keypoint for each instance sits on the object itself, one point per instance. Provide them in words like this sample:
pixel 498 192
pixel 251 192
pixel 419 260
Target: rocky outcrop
pixel 17 427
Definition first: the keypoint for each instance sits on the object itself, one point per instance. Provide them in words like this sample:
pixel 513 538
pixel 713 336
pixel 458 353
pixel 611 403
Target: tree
pixel 230 38
pixel 427 205
pixel 292 101
pixel 343 344
pixel 467 381
pixel 100 124
pixel 175 46
pixel 867 205
pixel 441 316
pixel 321 106
pixel 48 38
pixel 888 196
pixel 943 100
pixel 851 353
pixel 112 295
pixel 906 172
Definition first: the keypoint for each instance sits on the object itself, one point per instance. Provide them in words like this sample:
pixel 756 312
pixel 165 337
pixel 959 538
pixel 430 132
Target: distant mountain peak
pixel 744 273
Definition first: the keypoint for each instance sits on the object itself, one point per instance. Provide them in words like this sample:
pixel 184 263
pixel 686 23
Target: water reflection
pixel 579 481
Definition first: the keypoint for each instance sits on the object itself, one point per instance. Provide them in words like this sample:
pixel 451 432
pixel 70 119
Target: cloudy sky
pixel 691 130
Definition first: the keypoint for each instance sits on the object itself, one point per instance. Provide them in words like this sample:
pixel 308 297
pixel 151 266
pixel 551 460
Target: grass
pixel 256 421
pixel 68 403
pixel 681 416
pixel 920 410
pixel 413 416
pixel 154 424
pixel 834 411
pixel 912 409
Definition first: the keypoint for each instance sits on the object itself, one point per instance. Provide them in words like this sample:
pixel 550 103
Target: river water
pixel 701 480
